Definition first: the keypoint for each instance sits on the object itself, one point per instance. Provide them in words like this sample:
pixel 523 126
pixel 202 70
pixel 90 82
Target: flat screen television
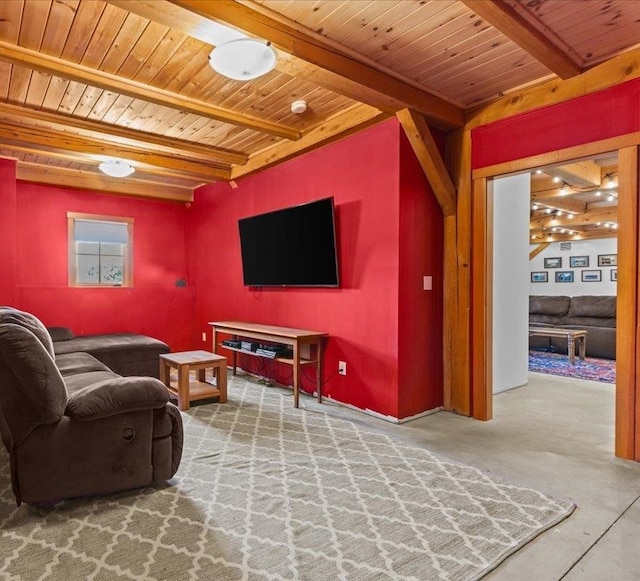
pixel 293 246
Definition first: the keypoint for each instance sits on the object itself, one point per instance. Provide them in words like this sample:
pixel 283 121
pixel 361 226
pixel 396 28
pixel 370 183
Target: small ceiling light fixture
pixel 610 198
pixel 243 59
pixel 116 168
pixel 299 107
pixel 556 180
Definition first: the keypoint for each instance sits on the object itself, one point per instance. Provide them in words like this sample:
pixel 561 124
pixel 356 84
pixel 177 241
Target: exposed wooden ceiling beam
pixel 589 235
pixel 590 217
pixel 336 127
pixel 617 70
pixel 217 156
pixel 564 203
pixel 504 18
pixel 71 178
pixel 582 174
pixel 58 141
pixel 417 131
pixel 60 68
pixel 538 249
pixel 327 66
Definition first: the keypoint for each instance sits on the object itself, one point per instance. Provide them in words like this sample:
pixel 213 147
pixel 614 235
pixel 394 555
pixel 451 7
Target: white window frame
pixel 127 255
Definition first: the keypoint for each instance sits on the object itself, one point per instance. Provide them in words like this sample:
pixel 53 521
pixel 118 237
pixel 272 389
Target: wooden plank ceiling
pixel 82 81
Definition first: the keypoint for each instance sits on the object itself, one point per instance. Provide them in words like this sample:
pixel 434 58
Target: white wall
pixel 589 248
pixel 511 197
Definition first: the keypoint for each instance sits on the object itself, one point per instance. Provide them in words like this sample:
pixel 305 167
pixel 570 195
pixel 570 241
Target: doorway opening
pixel 627 282
pixel 560 304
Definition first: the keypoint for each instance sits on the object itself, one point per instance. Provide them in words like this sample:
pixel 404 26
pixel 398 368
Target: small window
pixel 100 250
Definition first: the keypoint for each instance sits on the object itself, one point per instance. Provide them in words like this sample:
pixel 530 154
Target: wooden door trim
pixel 627 437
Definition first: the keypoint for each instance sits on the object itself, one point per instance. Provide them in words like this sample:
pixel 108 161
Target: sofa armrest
pixel 116 396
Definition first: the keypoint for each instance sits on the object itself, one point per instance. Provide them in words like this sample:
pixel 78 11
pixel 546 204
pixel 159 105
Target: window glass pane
pixel 111 249
pixel 88 269
pixel 88 247
pixel 111 270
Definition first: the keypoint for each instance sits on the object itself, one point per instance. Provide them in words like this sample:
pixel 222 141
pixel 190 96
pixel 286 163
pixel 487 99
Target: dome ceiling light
pixel 243 59
pixel 116 168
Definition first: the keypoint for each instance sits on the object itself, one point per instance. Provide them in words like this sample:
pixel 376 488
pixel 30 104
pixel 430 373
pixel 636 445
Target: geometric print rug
pixel 603 370
pixel 269 492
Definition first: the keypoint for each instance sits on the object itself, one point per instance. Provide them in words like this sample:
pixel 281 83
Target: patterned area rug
pixel 266 491
pixel 556 364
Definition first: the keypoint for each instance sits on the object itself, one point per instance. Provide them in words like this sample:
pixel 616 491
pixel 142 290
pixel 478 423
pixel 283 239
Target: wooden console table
pixel 572 335
pixel 295 338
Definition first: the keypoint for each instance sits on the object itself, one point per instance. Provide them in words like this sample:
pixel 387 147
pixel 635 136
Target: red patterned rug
pixel 556 364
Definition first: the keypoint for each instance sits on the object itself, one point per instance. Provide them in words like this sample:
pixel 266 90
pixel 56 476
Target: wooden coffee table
pixel 187 389
pixel 573 336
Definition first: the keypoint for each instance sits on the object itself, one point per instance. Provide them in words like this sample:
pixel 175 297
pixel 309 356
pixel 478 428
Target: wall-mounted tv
pixel 293 246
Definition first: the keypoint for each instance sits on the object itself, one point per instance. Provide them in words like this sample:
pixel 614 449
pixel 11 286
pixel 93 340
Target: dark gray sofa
pixel 595 314
pixel 124 353
pixel 72 426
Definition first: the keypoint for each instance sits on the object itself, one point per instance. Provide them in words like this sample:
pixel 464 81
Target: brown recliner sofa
pixel 72 426
pixel 594 314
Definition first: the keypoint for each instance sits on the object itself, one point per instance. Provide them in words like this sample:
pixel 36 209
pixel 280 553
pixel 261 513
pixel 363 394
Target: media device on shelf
pixel 294 246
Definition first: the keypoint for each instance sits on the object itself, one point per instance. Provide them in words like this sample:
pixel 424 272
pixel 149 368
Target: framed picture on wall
pixel 540 276
pixel 607 260
pixel 564 276
pixel 578 261
pixel 591 275
pixel 614 274
pixel 555 262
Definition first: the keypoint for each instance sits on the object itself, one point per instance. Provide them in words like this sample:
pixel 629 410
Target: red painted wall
pixel 362 316
pixel 601 115
pixel 420 312
pixel 154 306
pixel 8 231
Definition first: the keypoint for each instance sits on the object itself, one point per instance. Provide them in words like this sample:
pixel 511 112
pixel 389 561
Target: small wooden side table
pixel 199 361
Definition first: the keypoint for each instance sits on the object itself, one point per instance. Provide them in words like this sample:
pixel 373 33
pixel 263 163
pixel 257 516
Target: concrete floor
pixel 555 435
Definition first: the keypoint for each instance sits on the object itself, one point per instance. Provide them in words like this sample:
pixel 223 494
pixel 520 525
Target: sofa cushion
pixel 60 333
pixel 80 380
pixel 596 322
pixel 74 363
pixel 124 353
pixel 549 305
pixel 593 306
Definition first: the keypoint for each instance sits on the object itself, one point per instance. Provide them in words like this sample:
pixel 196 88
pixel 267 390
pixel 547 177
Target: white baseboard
pixel 380 416
pixel 367 411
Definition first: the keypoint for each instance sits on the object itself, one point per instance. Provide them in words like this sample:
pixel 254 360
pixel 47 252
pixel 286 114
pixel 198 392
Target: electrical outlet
pixel 204 336
pixel 342 367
